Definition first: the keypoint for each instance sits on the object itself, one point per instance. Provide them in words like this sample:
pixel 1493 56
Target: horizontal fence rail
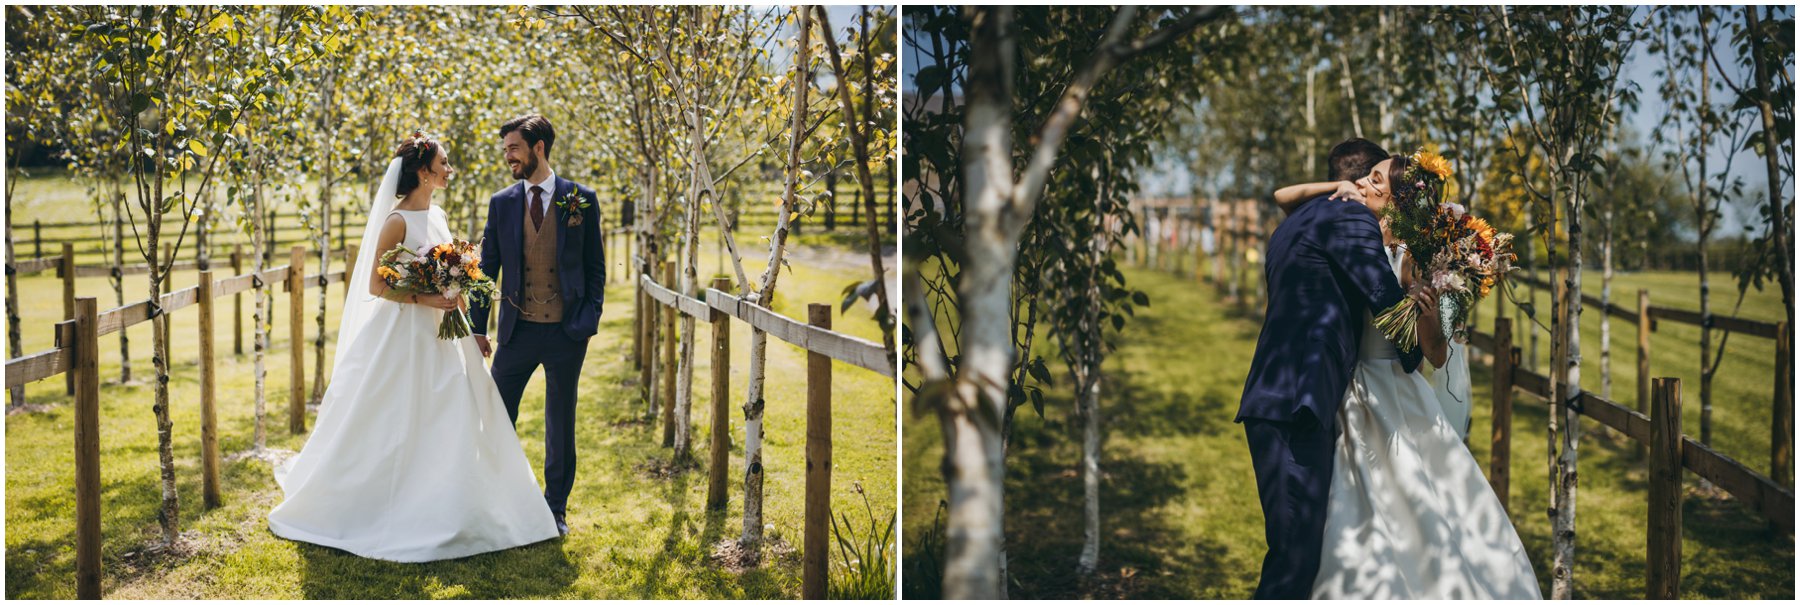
pixel 657 308
pixel 32 266
pixel 849 349
pixel 76 356
pixel 1761 329
pixel 45 364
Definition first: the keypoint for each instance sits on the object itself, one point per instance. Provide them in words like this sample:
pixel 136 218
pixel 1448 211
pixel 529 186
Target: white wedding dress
pixel 413 458
pixel 1451 382
pixel 1410 515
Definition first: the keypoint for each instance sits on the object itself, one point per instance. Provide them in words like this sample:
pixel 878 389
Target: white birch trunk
pixel 690 234
pixel 169 514
pixel 1606 277
pixel 1349 92
pixel 1090 470
pixel 759 340
pixel 16 395
pixel 319 367
pixel 260 316
pixel 118 279
pixel 1706 225
pixel 1566 430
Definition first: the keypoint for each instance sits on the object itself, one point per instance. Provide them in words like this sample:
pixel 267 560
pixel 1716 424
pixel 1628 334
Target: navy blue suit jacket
pixel 1326 269
pixel 580 259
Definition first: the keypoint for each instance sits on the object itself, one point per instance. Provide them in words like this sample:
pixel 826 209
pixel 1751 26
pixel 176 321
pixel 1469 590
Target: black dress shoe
pixel 562 526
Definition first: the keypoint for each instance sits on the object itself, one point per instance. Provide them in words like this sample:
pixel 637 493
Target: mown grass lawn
pixel 637 533
pixel 1180 515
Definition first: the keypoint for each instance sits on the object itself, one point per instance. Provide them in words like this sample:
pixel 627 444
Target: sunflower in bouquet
pixel 450 269
pixel 1458 255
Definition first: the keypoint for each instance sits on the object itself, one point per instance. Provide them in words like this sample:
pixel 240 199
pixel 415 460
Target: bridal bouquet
pixel 1457 254
pixel 448 269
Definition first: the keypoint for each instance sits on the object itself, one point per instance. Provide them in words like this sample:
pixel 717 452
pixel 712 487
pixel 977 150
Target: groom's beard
pixel 525 169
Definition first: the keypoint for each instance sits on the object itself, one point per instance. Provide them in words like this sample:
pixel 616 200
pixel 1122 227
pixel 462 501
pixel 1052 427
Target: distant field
pixel 69 214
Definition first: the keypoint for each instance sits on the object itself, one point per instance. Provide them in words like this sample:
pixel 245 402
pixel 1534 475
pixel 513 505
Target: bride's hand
pixel 1347 191
pixel 438 301
pixel 1428 304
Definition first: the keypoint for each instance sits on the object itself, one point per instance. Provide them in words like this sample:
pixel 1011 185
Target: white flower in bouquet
pixel 1448 281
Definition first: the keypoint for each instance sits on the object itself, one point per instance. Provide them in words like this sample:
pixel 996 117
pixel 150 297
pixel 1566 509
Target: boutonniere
pixel 572 205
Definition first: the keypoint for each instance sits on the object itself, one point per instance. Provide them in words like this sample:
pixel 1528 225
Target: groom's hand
pixel 481 342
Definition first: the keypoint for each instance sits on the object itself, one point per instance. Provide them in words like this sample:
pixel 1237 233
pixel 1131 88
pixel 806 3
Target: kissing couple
pixel 1367 489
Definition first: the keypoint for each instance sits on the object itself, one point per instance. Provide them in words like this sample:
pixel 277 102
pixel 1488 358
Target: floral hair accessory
pixel 1433 162
pixel 420 140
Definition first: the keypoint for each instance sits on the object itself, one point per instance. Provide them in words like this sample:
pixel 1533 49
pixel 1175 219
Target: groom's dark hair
pixel 532 128
pixel 1353 159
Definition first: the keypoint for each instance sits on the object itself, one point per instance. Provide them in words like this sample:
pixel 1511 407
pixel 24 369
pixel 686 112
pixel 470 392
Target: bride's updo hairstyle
pixel 1401 188
pixel 416 152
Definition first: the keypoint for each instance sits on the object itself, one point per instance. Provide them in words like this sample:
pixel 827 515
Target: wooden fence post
pixel 667 314
pixel 721 410
pixel 1643 360
pixel 815 551
pixel 66 270
pixel 1781 430
pixel 648 369
pixel 1664 539
pixel 237 302
pixel 296 278
pixel 37 239
pixel 86 371
pixel 637 319
pixel 1500 457
pixel 209 431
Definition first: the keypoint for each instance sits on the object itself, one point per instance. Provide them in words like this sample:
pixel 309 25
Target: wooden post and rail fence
pixel 659 304
pixel 1669 452
pixel 77 353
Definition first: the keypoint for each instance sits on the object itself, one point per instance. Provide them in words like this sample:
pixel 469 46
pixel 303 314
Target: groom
pixel 1327 271
pixel 543 236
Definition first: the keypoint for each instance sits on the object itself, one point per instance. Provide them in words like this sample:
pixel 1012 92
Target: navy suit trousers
pixel 545 344
pixel 1293 463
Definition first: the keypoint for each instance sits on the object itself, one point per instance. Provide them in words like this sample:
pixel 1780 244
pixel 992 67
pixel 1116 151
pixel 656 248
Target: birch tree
pixel 1560 67
pixel 998 202
pixel 1692 132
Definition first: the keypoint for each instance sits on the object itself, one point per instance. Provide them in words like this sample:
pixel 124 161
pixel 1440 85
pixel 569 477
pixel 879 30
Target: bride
pixel 1410 515
pixel 413 458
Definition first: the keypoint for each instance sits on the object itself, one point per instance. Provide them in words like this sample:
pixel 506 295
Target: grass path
pixel 1180 516
pixel 637 533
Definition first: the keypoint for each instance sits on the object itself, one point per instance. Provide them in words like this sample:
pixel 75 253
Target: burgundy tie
pixel 537 207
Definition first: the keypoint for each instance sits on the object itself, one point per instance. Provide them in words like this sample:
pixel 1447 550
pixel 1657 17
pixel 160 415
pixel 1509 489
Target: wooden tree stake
pixel 86 372
pixel 1664 539
pixel 716 495
pixel 816 549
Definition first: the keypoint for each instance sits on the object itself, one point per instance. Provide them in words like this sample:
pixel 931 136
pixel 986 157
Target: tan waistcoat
pixel 542 302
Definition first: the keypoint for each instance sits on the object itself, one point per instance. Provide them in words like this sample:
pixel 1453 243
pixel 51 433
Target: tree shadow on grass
pixel 1141 554
pixel 541 570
